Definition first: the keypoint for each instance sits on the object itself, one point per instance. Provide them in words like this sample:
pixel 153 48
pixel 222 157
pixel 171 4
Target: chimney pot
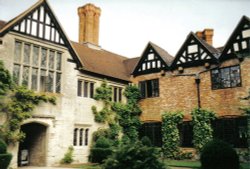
pixel 89 16
pixel 207 35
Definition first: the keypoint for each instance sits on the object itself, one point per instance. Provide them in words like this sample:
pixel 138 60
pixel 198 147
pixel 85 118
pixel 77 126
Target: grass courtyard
pixel 170 163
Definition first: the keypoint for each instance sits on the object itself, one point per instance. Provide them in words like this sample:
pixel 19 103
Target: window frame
pixel 51 74
pixel 149 88
pixel 86 88
pixel 219 85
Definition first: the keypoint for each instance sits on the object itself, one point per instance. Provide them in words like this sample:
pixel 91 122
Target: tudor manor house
pixel 38 53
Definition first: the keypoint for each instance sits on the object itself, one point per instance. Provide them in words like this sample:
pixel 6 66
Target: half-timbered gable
pixel 153 59
pixel 195 52
pixel 40 22
pixel 238 44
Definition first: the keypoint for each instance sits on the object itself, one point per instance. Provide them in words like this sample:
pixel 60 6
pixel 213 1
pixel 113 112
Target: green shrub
pixel 217 154
pixel 3 147
pixel 146 141
pixel 101 150
pixel 134 156
pixel 5 160
pixel 68 156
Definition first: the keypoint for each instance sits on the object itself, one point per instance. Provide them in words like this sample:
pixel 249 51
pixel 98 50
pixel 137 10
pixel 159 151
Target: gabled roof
pixel 2 24
pixel 102 62
pixel 195 52
pixel 153 59
pixel 15 24
pixel 130 64
pixel 238 42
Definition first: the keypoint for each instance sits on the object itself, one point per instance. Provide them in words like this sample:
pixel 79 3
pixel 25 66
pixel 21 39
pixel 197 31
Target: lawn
pixel 171 163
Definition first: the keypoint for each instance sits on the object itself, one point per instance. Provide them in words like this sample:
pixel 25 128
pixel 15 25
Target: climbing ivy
pixel 202 129
pixel 128 114
pixel 170 134
pixel 104 94
pixel 106 115
pixel 17 104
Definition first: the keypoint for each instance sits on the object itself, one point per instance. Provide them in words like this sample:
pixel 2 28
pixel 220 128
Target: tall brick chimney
pixel 207 35
pixel 89 16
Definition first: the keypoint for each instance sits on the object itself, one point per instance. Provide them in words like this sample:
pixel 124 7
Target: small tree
pixel 202 128
pixel 170 134
pixel 68 156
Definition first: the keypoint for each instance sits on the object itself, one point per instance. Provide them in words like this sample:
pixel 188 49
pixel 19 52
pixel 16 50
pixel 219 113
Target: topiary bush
pixel 5 157
pixel 101 150
pixel 217 154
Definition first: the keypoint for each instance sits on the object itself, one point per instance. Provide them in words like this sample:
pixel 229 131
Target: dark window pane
pixel 75 137
pixel 35 56
pixel 25 76
pixel 26 54
pixel 34 79
pixel 153 132
pixel 120 94
pixel 16 73
pixel 51 59
pixel 58 82
pixel 86 137
pixel 115 94
pixel 86 84
pixel 80 137
pixel 44 58
pixel 149 88
pixel 91 90
pixel 58 61
pixel 18 49
pixel 79 88
pixel 142 86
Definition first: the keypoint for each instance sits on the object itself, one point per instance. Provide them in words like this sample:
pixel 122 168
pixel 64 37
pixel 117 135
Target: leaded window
pixel 117 94
pixel 226 77
pixel 152 130
pixel 81 136
pixel 186 134
pixel 85 88
pixel 37 67
pixel 232 131
pixel 149 88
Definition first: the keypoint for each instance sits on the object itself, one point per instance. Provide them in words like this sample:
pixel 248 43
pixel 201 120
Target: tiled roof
pixel 130 64
pixel 206 45
pixel 102 62
pixel 164 54
pixel 2 23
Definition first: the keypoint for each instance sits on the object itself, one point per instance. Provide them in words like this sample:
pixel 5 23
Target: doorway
pixel 32 150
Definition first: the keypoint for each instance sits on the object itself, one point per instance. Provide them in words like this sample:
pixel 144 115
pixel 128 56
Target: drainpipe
pixel 197 81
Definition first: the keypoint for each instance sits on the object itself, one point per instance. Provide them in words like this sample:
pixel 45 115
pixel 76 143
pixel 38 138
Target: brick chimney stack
pixel 207 35
pixel 89 16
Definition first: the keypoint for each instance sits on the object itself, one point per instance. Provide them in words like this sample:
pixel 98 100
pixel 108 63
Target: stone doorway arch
pixel 34 146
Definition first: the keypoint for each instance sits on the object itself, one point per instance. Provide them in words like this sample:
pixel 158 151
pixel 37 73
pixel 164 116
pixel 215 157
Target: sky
pixel 126 26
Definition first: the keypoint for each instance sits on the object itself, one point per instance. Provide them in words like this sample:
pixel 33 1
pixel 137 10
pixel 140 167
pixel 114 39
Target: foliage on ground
pixel 68 156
